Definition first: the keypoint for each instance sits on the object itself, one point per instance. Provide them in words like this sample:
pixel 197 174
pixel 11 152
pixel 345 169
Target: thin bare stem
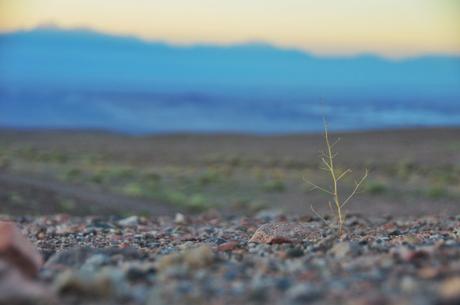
pixel 319 216
pixel 343 174
pixel 317 187
pixel 355 190
pixel 336 141
pixel 330 207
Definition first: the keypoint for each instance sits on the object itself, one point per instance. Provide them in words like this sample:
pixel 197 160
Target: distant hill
pixel 81 78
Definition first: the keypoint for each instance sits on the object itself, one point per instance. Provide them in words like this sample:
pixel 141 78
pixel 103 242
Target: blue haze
pixel 52 78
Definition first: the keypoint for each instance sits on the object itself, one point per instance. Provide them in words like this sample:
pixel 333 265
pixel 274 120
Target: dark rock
pixel 294 252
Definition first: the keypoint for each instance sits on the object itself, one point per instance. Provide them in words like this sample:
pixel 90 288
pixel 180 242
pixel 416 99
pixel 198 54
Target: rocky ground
pixel 214 259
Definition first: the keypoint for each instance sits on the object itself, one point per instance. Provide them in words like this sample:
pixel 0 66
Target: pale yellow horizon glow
pixel 391 28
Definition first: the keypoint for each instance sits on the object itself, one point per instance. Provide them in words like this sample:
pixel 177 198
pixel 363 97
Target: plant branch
pixel 317 187
pixel 356 188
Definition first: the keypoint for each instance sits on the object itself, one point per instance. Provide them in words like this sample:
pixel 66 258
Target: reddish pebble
pixel 228 246
pixel 124 245
pixel 17 250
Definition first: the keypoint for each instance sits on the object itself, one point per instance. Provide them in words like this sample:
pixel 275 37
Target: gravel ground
pixel 209 259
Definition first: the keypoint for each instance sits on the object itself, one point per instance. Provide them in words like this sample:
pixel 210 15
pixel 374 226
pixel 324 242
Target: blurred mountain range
pixel 55 78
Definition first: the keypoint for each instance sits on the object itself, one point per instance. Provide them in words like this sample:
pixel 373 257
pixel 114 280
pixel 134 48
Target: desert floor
pixel 411 172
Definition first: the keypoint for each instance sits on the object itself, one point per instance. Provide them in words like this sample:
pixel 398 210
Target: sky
pixel 389 28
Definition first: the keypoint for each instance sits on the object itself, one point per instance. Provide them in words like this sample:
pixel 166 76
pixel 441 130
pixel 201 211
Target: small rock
pixel 228 246
pixel 283 284
pixel 408 284
pixel 93 263
pixel 344 249
pixel 129 221
pixel 15 288
pixel 411 239
pixel 429 273
pixel 394 232
pixel 191 258
pixel 278 233
pixel 408 255
pixel 138 271
pixel 18 251
pixel 294 252
pixel 180 218
pixel 325 243
pixel 302 293
pixel 450 289
pixel 87 284
pixel 199 257
pixel 167 261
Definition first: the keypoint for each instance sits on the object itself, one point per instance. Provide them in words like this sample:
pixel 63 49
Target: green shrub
pixel 176 197
pixel 437 192
pixel 72 174
pixel 208 177
pixel 152 177
pixel 197 202
pixel 274 186
pixel 375 187
pixel 66 205
pixel 405 168
pixel 5 163
pixel 97 178
pixel 133 189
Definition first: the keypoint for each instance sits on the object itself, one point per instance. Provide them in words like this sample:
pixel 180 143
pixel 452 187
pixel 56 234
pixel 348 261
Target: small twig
pixel 320 217
pixel 357 185
pixel 317 187
pixel 330 207
pixel 326 163
pixel 335 142
pixel 343 174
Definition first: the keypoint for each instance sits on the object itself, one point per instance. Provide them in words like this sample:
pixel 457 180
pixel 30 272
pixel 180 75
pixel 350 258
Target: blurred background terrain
pixel 192 106
pixel 412 172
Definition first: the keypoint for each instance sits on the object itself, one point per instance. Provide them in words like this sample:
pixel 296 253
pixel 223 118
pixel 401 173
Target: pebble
pixel 18 288
pixel 194 258
pixel 180 218
pixel 408 284
pixel 303 293
pixel 89 284
pixel 278 233
pixel 450 289
pixel 129 221
pixel 294 252
pixel 344 249
pixel 18 251
pixel 227 246
pixel 199 257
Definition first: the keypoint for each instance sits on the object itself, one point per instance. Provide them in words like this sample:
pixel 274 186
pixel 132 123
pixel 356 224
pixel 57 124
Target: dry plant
pixel 336 204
